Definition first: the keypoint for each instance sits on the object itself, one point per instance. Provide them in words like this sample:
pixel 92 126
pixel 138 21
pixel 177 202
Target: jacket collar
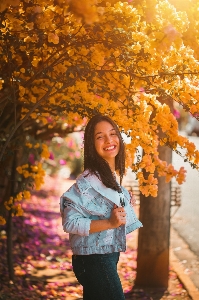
pixel 86 180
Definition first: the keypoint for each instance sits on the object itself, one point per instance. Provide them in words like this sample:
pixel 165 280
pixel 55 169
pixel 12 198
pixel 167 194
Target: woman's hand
pixel 132 198
pixel 118 217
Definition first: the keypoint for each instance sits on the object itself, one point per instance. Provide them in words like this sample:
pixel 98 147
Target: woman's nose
pixel 108 139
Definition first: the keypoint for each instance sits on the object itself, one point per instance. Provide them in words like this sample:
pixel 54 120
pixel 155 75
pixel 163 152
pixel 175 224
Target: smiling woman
pixel 98 131
pixel 97 212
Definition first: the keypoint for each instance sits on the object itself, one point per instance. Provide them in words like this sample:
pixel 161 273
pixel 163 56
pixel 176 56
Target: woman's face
pixel 107 143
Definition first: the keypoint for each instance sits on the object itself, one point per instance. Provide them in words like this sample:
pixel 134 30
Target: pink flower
pixel 31 158
pixel 176 113
pixel 77 154
pixel 49 119
pixel 62 162
pixel 70 143
pixel 142 89
pixel 51 155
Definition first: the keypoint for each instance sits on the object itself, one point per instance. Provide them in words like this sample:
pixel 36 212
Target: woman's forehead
pixel 103 126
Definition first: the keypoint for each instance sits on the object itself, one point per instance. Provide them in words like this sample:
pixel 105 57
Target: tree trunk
pixel 10 224
pixel 153 239
pixel 10 246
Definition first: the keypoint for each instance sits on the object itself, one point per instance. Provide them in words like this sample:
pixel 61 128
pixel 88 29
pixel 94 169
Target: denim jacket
pixel 89 199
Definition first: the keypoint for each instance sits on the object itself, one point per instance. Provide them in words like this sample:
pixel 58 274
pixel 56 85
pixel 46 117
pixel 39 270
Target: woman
pixel 97 213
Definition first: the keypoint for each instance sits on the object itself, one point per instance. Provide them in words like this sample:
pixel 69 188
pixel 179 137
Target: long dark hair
pixel 95 163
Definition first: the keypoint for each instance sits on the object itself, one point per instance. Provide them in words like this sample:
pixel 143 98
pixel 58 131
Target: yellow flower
pixel 196 160
pixel 181 175
pixel 18 210
pixel 8 207
pixel 35 61
pixel 1 83
pixel 19 197
pixel 26 194
pixel 190 148
pixel 38 182
pixel 2 221
pixel 10 201
pixel 53 38
pixel 34 115
pixel 37 145
pixel 29 145
pixel 22 91
pixel 25 166
pixel 116 53
pixel 19 170
pixel 34 168
pixel 26 174
pixel 147 163
pixel 45 153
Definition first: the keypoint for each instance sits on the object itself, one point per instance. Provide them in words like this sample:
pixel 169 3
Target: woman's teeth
pixel 110 148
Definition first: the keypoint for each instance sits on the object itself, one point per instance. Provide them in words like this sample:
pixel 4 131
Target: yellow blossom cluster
pixel 45 152
pixel 13 203
pixel 87 11
pixel 8 204
pixel 124 59
pixel 147 186
pixel 16 208
pixel 35 172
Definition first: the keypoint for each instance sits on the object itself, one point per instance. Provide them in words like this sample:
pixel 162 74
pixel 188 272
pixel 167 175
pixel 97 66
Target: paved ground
pixel 185 263
pixel 185 221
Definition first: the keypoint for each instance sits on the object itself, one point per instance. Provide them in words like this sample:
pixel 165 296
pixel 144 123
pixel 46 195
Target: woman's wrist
pixel 100 225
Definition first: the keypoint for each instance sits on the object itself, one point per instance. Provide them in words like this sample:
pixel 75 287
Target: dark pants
pixel 97 273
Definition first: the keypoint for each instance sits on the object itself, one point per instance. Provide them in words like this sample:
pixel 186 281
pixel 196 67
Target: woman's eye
pixel 99 137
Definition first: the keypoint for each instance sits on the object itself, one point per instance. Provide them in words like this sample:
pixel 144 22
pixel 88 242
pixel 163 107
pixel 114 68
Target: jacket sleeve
pixel 75 218
pixel 74 221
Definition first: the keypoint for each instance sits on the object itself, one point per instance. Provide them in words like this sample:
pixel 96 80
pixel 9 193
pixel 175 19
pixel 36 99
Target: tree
pixel 154 238
pixel 59 59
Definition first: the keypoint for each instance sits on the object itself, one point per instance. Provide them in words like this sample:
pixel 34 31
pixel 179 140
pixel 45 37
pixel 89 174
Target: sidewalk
pixel 185 263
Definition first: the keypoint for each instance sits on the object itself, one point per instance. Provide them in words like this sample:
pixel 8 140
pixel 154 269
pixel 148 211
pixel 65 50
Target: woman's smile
pixel 110 148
